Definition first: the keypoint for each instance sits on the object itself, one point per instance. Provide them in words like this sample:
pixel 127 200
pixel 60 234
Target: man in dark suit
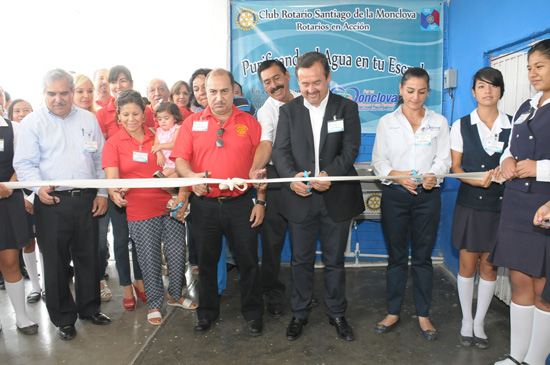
pixel 318 132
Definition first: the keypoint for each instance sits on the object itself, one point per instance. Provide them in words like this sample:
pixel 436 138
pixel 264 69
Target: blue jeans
pixel 121 238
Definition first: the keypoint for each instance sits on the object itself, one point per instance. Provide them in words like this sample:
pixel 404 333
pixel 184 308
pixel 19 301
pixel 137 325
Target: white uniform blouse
pixel 543 166
pixel 396 147
pixel 485 135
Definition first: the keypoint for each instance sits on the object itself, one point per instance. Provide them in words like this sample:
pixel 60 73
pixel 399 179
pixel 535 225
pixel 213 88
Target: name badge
pixel 494 146
pixel 1 145
pixel 334 126
pixel 140 156
pixel 200 126
pixel 90 146
pixel 522 118
pixel 423 139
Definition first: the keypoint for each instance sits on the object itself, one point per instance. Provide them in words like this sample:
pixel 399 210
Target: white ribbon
pixel 231 184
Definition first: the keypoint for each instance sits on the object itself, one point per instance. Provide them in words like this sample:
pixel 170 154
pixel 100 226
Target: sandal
pixel 153 316
pixel 106 294
pixel 187 303
pixel 140 294
pixel 129 303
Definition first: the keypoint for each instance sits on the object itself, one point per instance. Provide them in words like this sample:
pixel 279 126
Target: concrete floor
pixel 228 343
pixel 130 339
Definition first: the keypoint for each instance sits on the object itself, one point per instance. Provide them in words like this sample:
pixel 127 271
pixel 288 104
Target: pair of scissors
pixel 305 175
pixel 172 212
pixel 415 173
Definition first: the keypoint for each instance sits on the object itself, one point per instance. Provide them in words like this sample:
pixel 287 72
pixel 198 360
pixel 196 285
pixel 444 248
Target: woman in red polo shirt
pixel 180 95
pixel 127 155
pixel 120 79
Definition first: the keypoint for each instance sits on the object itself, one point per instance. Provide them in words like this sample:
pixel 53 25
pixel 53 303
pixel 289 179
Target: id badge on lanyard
pixel 200 125
pixel 335 125
pixel 89 144
pixel 495 145
pixel 525 116
pixel 423 138
pixel 139 156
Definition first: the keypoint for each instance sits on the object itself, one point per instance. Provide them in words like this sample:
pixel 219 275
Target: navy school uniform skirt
pixel 520 245
pixel 474 230
pixel 13 227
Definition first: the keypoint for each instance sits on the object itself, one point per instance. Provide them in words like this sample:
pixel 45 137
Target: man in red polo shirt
pixel 222 140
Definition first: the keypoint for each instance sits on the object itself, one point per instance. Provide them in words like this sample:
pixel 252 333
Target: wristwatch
pixel 261 202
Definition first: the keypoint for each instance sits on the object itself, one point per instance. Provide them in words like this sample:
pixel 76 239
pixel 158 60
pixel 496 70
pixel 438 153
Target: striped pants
pixel 148 236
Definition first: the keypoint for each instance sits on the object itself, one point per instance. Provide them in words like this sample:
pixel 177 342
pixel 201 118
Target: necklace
pixel 412 121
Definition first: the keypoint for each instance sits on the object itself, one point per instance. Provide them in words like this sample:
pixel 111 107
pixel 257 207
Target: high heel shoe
pixel 140 294
pixel 129 303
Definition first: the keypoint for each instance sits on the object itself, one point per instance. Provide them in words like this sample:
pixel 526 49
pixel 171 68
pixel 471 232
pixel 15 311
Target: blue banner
pixel 369 45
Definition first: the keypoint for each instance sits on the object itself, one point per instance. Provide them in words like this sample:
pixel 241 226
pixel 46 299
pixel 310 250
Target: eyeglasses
pixel 219 140
pixel 127 92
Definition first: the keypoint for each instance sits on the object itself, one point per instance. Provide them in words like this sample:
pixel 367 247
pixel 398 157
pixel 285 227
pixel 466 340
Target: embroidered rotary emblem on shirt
pixel 241 129
pixel 246 19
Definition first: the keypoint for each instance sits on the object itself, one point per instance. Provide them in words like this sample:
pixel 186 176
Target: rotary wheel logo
pixel 241 130
pixel 372 202
pixel 246 19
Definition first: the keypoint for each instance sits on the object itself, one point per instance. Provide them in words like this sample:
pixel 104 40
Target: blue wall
pixel 474 29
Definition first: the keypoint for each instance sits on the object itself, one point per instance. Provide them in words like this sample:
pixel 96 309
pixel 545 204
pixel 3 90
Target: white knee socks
pixel 465 288
pixel 30 264
pixel 16 292
pixel 539 348
pixel 521 327
pixel 485 292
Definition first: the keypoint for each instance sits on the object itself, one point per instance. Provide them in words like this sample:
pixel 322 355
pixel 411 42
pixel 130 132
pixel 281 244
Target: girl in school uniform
pixel 520 246
pixel 477 143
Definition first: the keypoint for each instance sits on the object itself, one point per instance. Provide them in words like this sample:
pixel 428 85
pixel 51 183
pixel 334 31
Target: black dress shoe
pixel 33 297
pixel 342 328
pixel 275 309
pixel 98 319
pixel 29 330
pixel 66 332
pixel 254 327
pixel 481 343
pixel 201 326
pixel 466 341
pixel 294 329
